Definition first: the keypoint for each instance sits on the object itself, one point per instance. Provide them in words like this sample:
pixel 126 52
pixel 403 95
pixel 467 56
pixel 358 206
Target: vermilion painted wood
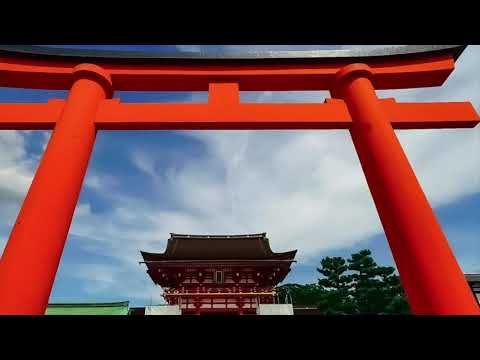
pixel 114 115
pixel 32 254
pixel 406 73
pixel 430 115
pixel 117 116
pixel 30 116
pixel 431 277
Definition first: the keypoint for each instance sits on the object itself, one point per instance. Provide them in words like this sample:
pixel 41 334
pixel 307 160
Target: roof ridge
pixel 255 235
pixel 216 247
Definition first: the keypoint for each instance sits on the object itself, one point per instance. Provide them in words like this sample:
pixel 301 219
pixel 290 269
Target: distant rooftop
pixel 114 308
pixel 473 277
pixel 218 247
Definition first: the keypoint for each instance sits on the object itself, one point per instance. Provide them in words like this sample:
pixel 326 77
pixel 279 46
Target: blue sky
pixel 305 189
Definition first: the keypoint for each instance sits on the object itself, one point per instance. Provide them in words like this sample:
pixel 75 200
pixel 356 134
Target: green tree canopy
pixel 376 289
pixel 335 287
pixel 302 295
pixel 353 286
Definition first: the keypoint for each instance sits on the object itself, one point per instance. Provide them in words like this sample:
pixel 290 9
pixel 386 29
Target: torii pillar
pixel 418 244
pixel 32 255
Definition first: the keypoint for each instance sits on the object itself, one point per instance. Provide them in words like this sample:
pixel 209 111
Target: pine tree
pixel 301 295
pixel 354 286
pixel 335 287
pixel 375 289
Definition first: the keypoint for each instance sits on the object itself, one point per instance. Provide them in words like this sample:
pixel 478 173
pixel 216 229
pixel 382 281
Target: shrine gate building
pixel 219 274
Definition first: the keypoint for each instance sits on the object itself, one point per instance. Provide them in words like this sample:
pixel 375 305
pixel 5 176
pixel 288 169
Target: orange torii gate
pixel 433 281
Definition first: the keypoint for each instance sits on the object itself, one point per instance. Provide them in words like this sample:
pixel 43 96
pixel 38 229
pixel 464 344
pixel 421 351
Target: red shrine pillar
pixel 32 254
pixel 240 304
pixel 198 305
pixel 432 279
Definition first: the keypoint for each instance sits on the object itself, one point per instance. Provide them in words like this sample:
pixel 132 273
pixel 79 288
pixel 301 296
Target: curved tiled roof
pixel 218 247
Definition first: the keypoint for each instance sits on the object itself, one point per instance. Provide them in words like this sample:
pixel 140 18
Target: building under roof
pixel 228 274
pixel 474 282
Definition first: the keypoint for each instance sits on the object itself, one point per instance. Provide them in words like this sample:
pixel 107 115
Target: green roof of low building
pixel 115 308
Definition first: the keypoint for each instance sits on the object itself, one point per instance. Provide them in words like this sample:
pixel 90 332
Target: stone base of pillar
pixel 275 309
pixel 163 310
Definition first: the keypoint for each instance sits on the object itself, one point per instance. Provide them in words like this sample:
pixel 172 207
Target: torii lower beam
pixel 333 114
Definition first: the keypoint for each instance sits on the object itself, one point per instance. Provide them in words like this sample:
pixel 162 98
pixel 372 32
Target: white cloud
pixel 101 273
pixel 110 281
pixel 99 182
pixel 144 163
pixel 16 172
pixel 189 48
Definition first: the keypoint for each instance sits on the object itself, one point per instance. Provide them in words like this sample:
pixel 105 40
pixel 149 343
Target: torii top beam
pixel 224 75
pixel 395 67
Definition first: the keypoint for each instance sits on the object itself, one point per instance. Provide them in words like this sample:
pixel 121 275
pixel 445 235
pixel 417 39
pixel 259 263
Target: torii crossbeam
pixel 430 274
